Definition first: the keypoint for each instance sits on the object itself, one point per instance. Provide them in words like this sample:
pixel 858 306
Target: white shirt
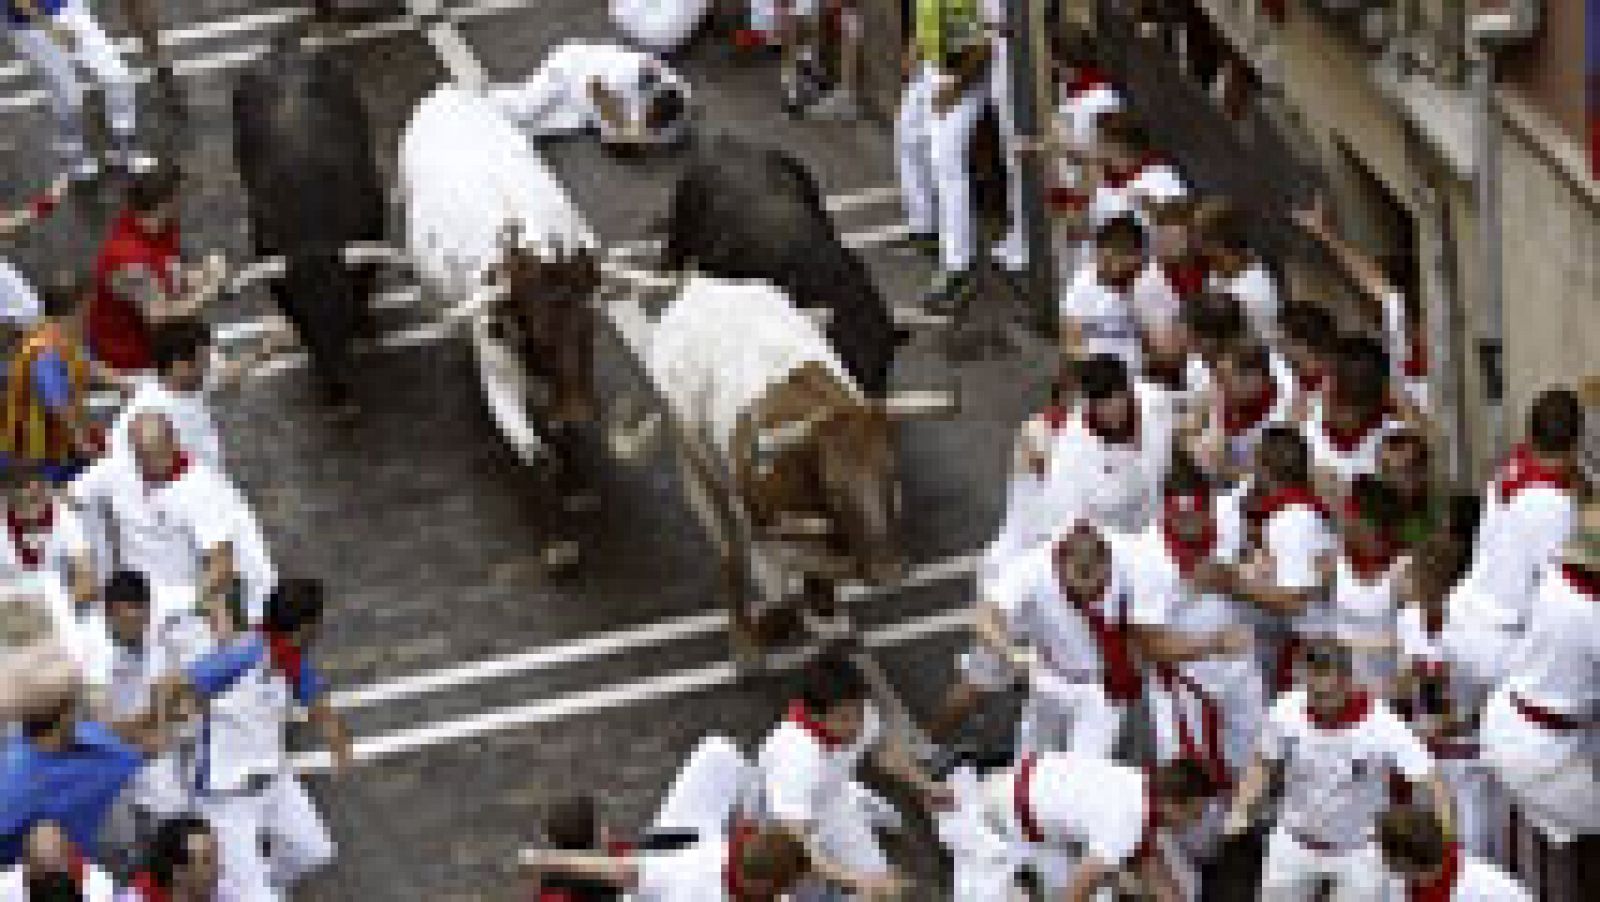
pixel 241 735
pixel 1364 611
pixel 1257 292
pixel 19 303
pixel 802 779
pixel 188 412
pixel 164 532
pixel 1155 302
pixel 1028 593
pixel 1346 464
pixel 97 884
pixel 1482 881
pixel 555 98
pixel 692 874
pixel 1104 317
pixel 168 644
pixel 1113 486
pixel 1088 802
pixel 1336 780
pixel 1518 537
pixel 1556 665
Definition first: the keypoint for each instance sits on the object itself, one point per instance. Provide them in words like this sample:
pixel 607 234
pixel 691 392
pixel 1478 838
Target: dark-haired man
pixel 1432 868
pixel 182 865
pixel 1529 508
pixel 808 780
pixel 54 870
pixel 1346 424
pixel 1097 310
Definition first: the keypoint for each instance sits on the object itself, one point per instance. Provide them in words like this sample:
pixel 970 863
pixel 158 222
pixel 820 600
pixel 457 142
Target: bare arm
pixel 333 731
pixel 1249 794
pixel 1165 646
pixel 989 625
pixel 1090 875
pixel 215 582
pixel 619 872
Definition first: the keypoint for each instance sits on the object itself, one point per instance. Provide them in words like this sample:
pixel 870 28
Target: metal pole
pixel 1028 50
pixel 1491 339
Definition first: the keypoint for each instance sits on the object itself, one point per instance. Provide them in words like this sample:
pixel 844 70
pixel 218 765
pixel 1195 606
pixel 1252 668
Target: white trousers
pixel 1549 775
pixel 933 151
pixel 845 834
pixel 1013 251
pixel 1061 716
pixel 1236 707
pixel 92 51
pixel 712 783
pixel 1293 872
pixel 282 814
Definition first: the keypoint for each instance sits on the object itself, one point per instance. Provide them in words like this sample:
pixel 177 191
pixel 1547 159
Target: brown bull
pixel 544 313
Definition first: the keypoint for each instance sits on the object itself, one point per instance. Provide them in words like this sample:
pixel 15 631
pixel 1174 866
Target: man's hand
pixel 946 98
pixel 344 756
pixel 885 888
pixel 1237 823
pixel 1232 642
pixel 1213 576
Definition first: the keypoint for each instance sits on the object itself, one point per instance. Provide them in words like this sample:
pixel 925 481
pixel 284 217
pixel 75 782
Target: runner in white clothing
pixel 1337 748
pixel 1060 617
pixel 179 522
pixel 808 783
pixel 1365 594
pixel 182 865
pixel 1097 312
pixel 629 97
pixel 1234 267
pixel 1528 512
pixel 1539 727
pixel 1431 868
pixel 52 868
pixel 1347 422
pixel 1248 399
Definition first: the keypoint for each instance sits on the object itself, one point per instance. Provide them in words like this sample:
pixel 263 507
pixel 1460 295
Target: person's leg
pixel 707 789
pixel 918 190
pixel 950 140
pixel 842 102
pixel 66 90
pixel 1360 876
pixel 300 840
pixel 1012 252
pixel 1290 872
pixel 237 824
pixel 1096 724
pixel 101 58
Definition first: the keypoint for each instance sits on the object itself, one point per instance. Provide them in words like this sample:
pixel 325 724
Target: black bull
pixel 305 156
pixel 747 211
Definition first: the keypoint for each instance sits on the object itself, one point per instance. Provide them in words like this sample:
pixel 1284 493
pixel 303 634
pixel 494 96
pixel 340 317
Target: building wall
pixel 1551 236
pixel 1550 70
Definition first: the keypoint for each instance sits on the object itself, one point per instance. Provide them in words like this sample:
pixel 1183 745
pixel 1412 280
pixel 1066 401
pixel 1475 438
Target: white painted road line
pixel 843 203
pixel 564 707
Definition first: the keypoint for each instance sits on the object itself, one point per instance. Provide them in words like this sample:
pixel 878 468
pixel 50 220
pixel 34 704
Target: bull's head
pixel 547 307
pixel 856 467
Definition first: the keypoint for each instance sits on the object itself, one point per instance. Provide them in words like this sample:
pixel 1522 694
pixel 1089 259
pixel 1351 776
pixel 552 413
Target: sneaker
pixel 948 293
pixel 127 156
pixel 838 105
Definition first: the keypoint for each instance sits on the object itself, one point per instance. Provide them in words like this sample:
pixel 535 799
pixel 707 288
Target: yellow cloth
pixel 944 28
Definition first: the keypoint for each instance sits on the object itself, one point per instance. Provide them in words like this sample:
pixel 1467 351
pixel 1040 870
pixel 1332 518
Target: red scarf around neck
pixel 1370 566
pixel 1348 440
pixel 1186 278
pixel 29 553
pixel 286 656
pixel 1189 554
pixel 144 883
pixel 1241 416
pixel 180 466
pixel 1353 711
pixel 800 716
pixel 1121 677
pixel 1524 469
pixel 1585 582
pixel 1087 79
pixel 1309 379
pixel 1442 888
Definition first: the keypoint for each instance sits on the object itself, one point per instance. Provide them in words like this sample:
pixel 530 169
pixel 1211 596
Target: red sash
pixel 1524 470
pixel 1213 755
pixel 1118 673
pixel 1022 800
pixel 31 555
pixel 116 330
pixel 1441 888
pixel 1152 821
pixel 800 716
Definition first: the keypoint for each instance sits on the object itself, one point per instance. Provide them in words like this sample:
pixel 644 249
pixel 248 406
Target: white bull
pixel 661 26
pixel 467 174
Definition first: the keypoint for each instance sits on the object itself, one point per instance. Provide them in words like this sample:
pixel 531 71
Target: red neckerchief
pixel 286 656
pixel 1087 79
pixel 1524 470
pixel 732 881
pixel 28 553
pixel 180 466
pixel 144 883
pixel 1416 362
pixel 1055 416
pixel 1121 285
pixel 1063 199
pixel 1346 441
pixel 1240 417
pixel 1127 435
pixel 1119 177
pixel 1441 888
pixel 1152 820
pixel 1260 510
pixel 1585 582
pixel 1353 712
pixel 1022 799
pixel 800 716
pixel 1309 379
pixel 1188 554
pixel 1120 676
pixel 1187 278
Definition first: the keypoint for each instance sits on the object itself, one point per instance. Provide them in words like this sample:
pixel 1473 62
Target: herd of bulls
pixel 806 473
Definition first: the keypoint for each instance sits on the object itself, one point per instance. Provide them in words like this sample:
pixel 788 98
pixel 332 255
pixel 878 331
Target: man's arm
pixel 1090 875
pixel 1249 794
pixel 990 627
pixel 622 873
pixel 334 733
pixel 211 675
pixel 1165 646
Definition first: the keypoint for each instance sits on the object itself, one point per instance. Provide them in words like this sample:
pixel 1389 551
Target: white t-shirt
pixel 97 885
pixel 1087 802
pixel 693 874
pixel 802 778
pixel 1518 537
pixel 19 303
pixel 1113 486
pixel 188 412
pixel 1105 318
pixel 1155 302
pixel 1556 665
pixel 1364 610
pixel 555 98
pixel 165 532
pixel 1346 463
pixel 1027 591
pixel 1336 780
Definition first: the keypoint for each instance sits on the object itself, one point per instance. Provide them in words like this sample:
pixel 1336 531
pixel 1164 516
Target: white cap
pixel 1159 184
